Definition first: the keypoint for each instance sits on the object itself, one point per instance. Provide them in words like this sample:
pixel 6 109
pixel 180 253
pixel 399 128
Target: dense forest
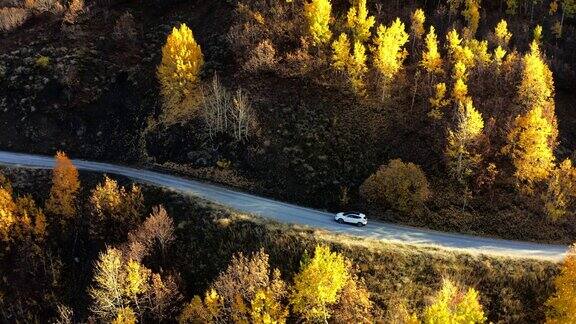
pixel 453 115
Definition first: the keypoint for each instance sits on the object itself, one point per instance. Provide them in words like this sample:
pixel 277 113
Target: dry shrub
pixel 164 295
pixel 157 229
pixel 12 18
pixel 299 61
pixel 277 21
pixel 125 28
pixel 227 113
pixel 400 185
pixel 75 8
pixel 262 58
pixel 44 6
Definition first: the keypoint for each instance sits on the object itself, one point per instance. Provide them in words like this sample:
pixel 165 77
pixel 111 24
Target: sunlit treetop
pixel 431 59
pixel 417 23
pixel 358 20
pixel 389 54
pixel 318 14
pixel 502 34
pixel 472 15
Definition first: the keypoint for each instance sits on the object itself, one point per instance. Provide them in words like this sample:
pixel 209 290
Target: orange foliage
pixel 65 186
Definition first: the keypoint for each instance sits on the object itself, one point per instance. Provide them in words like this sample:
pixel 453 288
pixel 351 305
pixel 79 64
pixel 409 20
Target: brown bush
pixel 75 8
pixel 256 21
pixel 262 58
pixel 44 6
pixel 12 18
pixel 402 186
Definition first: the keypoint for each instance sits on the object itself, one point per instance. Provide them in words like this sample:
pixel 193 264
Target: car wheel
pixel 340 220
pixel 360 224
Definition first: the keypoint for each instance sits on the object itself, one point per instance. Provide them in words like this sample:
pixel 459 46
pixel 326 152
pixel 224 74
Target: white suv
pixel 356 218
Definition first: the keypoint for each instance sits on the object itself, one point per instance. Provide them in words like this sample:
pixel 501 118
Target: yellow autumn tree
pixel 357 68
pixel 65 186
pixel 358 21
pixel 562 304
pixel 460 89
pixel 452 304
pixel 136 283
pixel 499 54
pixel 118 283
pixel 417 25
pixel 532 140
pixel 200 311
pixel 389 53
pixel 266 308
pixel 341 53
pixel 125 316
pixel 561 190
pixel 108 289
pixel 537 34
pixel 457 51
pixel 352 65
pixel 179 73
pixel 537 86
pixel 479 50
pixel 431 59
pixel 7 213
pixel 471 14
pixel 318 14
pixel 462 160
pixel 318 284
pixel 438 102
pixel 528 146
pixel 502 34
pixel 115 210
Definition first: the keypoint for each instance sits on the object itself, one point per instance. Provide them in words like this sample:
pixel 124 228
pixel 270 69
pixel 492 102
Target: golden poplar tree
pixel 457 51
pixel 439 101
pixel 472 16
pixel 7 213
pixel 563 303
pixel 65 186
pixel 108 289
pixel 561 190
pixel 460 90
pixel 479 50
pixel 358 68
pixel 431 59
pixel 529 147
pixel 389 53
pixel 358 21
pixel 417 24
pixel 532 140
pixel 341 53
pixel 318 284
pixel 266 308
pixel 502 34
pixel 353 65
pixel 318 13
pixel 452 305
pixel 202 311
pixel 125 316
pixel 462 160
pixel 179 72
pixel 537 86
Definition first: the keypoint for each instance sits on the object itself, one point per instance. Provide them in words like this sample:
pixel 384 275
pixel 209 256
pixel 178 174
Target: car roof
pixel 352 212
